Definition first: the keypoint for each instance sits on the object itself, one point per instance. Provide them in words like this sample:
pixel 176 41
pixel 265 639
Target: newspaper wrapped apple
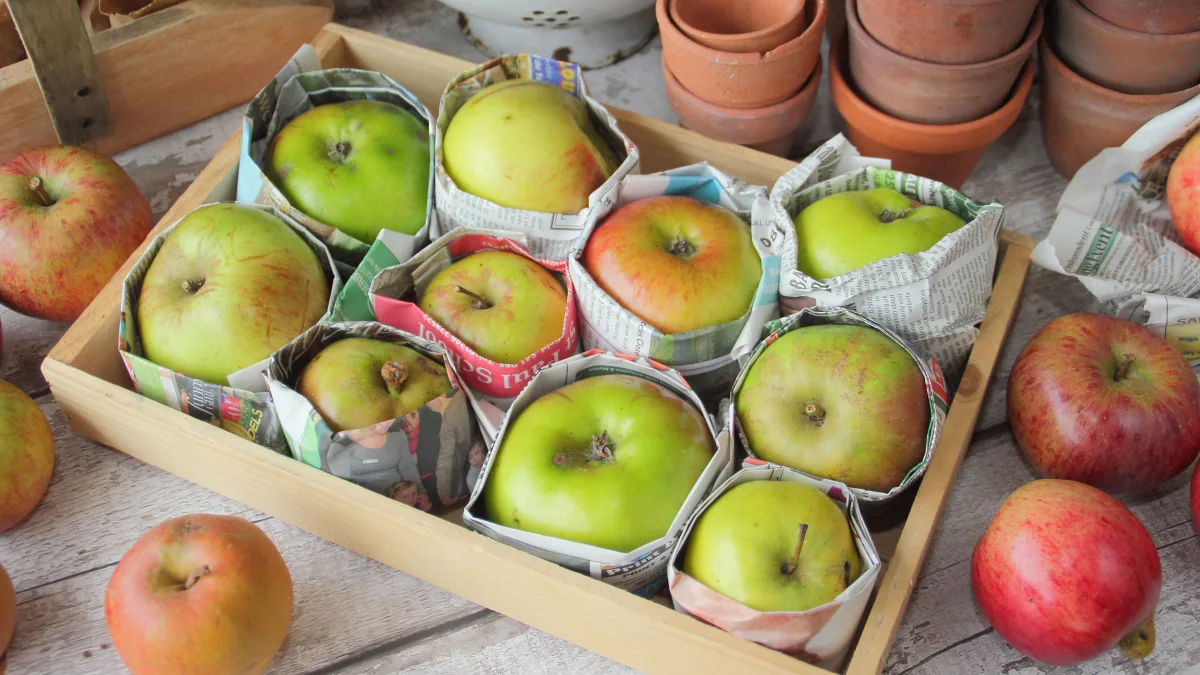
pixel 934 297
pixel 210 300
pixel 808 531
pixel 381 408
pixel 598 465
pixel 520 146
pixel 677 267
pixel 835 395
pixel 347 154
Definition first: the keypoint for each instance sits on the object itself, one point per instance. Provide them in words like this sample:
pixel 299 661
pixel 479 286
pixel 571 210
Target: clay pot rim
pixel 720 37
pixel 1022 51
pixel 816 27
pixel 1122 33
pixel 813 81
pixel 930 139
pixel 1047 53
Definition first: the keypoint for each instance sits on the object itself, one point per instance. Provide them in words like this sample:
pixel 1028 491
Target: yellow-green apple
pixel 501 304
pixel 1064 572
pixel 230 285
pixel 1183 194
pixel 200 595
pixel 525 144
pixel 677 263
pixel 1104 401
pixel 69 217
pixel 8 609
pixel 357 382
pixel 360 166
pixel 606 461
pixel 26 455
pixel 773 546
pixel 845 231
pixel 837 401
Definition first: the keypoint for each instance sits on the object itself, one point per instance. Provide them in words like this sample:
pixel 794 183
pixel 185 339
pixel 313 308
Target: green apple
pixel 845 231
pixel 359 166
pixel 837 401
pixel 356 382
pixel 525 144
pixel 605 461
pixel 230 285
pixel 502 305
pixel 773 546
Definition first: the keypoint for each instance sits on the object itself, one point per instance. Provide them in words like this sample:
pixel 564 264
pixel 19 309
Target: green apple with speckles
pixel 359 166
pixel 774 546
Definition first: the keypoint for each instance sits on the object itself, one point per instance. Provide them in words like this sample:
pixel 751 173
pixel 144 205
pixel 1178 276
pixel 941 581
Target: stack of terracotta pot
pixel 930 84
pixel 742 71
pixel 1108 67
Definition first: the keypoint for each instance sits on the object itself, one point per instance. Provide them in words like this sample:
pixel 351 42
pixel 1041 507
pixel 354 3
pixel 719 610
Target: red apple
pixel 200 595
pixel 69 217
pixel 677 263
pixel 8 609
pixel 1183 194
pixel 1104 401
pixel 1064 572
pixel 26 455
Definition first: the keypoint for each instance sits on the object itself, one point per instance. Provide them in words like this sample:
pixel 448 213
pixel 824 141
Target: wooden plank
pixel 60 53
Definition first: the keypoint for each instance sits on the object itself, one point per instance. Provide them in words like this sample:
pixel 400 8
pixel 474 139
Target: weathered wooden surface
pixel 355 616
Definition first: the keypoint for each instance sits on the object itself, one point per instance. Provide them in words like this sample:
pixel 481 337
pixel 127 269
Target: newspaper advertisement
pixel 551 235
pixel 1113 232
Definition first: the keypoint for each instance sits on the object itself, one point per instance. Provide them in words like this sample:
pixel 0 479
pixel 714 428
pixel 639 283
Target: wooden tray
pixel 92 388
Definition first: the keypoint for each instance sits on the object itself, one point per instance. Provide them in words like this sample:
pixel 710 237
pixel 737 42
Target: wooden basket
pixel 92 388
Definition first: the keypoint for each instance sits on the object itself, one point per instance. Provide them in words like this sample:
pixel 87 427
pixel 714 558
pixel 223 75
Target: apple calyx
pixel 1124 364
pixel 192 286
pixel 1139 643
pixel 814 412
pixel 38 186
pixel 477 300
pixel 600 450
pixel 792 563
pixel 394 374
pixel 682 248
pixel 339 152
pixel 195 576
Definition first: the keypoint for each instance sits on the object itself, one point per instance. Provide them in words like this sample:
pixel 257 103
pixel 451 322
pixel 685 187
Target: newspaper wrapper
pixel 428 459
pixel 643 570
pixel 395 291
pixel 935 389
pixel 1113 232
pixel 707 357
pixel 821 635
pixel 241 404
pixel 301 86
pixel 551 235
pixel 934 299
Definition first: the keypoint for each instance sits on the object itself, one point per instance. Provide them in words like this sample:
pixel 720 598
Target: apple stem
pixel 195 576
pixel 889 216
pixel 480 302
pixel 39 190
pixel 1124 363
pixel 394 374
pixel 1139 643
pixel 339 151
pixel 682 248
pixel 794 561
pixel 601 450
pixel 814 412
pixel 191 286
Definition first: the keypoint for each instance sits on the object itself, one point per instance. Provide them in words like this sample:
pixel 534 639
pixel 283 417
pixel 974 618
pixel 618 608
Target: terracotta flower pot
pixel 1165 17
pixel 932 93
pixel 1119 58
pixel 947 153
pixel 770 129
pixel 1080 118
pixel 948 31
pixel 739 25
pixel 747 80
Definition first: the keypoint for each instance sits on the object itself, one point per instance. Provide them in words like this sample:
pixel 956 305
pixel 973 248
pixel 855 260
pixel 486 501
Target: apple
pixel 750 545
pixel 501 304
pixel 357 382
pixel 605 461
pixel 1064 572
pixel 230 285
pixel 26 455
pixel 200 595
pixel 1183 194
pixel 359 166
pixel 69 217
pixel 845 231
pixel 837 401
pixel 677 263
pixel 1104 401
pixel 525 144
pixel 8 609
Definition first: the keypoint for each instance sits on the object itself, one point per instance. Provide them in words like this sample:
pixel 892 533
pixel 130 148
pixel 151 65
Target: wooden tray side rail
pixel 88 379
